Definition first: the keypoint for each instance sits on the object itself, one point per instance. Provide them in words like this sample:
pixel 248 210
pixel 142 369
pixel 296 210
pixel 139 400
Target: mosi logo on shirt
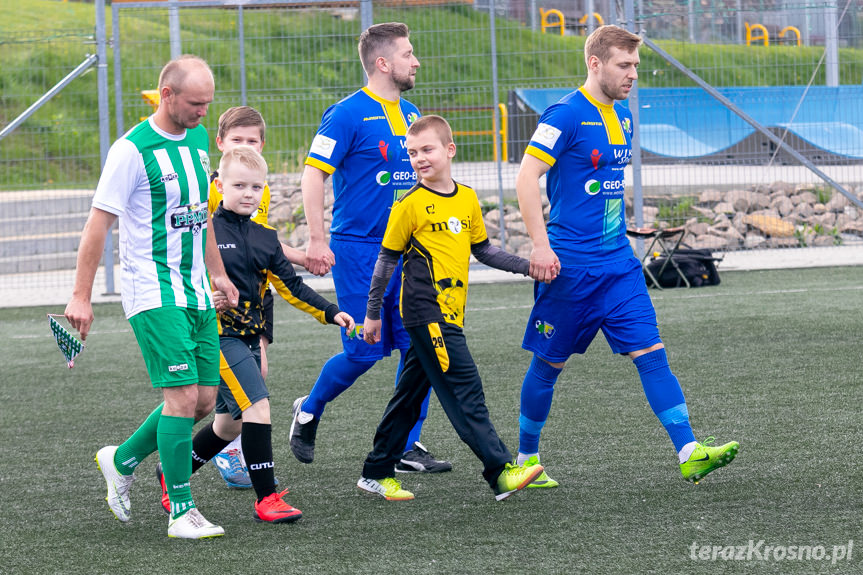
pixel 169 177
pixel 453 224
pixel 193 217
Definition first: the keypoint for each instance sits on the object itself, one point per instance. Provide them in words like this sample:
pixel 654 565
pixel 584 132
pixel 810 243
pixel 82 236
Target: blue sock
pixel 536 393
pixel 338 374
pixel 665 396
pixel 418 426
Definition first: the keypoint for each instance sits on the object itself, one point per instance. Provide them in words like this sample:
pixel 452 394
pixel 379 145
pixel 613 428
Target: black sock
pixel 205 445
pixel 258 451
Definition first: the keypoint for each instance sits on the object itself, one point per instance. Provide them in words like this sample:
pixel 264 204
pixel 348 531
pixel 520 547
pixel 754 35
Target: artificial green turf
pixel 771 359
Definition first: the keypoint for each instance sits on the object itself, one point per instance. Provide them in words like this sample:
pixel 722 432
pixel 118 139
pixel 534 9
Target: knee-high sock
pixel 175 451
pixel 424 410
pixel 139 445
pixel 338 374
pixel 205 445
pixel 665 396
pixel 536 393
pixel 258 451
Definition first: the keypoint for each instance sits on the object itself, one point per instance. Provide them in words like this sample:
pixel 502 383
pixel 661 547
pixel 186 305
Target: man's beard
pixel 403 83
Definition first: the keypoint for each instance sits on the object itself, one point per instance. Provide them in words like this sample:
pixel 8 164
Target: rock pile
pixel 778 215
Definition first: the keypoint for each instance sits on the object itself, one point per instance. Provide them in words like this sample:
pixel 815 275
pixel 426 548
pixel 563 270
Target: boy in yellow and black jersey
pixel 435 227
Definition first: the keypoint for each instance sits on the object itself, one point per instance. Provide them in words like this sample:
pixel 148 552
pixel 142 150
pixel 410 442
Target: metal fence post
pixel 637 193
pixel 831 44
pixel 118 71
pixel 174 27
pixel 497 121
pixel 241 38
pixel 104 127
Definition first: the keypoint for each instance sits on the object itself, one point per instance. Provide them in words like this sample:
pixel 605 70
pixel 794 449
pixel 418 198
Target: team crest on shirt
pixel 412 117
pixel 544 328
pixel 627 125
pixel 205 160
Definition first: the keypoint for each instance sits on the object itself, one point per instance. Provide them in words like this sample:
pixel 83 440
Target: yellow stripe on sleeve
pixel 316 163
pixel 537 153
pixel 289 297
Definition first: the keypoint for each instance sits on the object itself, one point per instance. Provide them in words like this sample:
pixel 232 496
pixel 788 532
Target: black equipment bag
pixel 699 267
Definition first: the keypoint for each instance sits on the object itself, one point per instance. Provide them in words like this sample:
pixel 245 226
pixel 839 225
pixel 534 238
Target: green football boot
pixel 542 481
pixel 705 458
pixel 515 478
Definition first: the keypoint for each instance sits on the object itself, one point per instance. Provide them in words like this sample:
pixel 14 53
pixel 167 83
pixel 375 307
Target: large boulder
pixel 709 197
pixel 770 226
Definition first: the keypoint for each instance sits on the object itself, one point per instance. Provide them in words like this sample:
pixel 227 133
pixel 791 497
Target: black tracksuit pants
pixel 438 357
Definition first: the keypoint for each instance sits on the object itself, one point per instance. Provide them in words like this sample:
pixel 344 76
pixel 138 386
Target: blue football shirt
pixel 587 144
pixel 361 141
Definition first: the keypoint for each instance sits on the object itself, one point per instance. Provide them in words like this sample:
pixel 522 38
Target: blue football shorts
pixel 242 384
pixel 352 276
pixel 568 312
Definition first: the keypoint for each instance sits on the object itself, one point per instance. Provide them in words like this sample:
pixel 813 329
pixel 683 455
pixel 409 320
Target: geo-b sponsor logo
pixel 384 177
pixel 593 187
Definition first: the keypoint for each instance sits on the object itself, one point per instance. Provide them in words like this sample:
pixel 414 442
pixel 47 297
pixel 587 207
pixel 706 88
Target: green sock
pixel 175 451
pixel 139 445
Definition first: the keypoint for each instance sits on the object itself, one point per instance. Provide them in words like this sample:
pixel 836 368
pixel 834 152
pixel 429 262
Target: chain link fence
pixel 701 165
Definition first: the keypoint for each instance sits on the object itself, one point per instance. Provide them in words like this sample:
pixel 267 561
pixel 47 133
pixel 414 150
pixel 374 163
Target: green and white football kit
pixel 157 183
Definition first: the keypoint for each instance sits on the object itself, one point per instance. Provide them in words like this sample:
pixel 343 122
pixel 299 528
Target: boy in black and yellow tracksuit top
pixel 435 227
pixel 251 252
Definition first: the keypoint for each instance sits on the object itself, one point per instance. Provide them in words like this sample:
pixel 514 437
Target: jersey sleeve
pixel 291 287
pixel 400 226
pixel 555 129
pixel 214 198
pixel 263 209
pixel 333 139
pixel 120 177
pixel 478 232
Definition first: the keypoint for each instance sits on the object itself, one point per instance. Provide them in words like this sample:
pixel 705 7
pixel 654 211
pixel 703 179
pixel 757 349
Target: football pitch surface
pixel 770 359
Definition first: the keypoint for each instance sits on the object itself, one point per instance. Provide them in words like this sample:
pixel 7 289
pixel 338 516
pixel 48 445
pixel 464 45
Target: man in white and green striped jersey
pixel 155 180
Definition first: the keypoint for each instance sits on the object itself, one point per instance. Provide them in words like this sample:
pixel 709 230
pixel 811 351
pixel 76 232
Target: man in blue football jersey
pixel 361 143
pixel 583 143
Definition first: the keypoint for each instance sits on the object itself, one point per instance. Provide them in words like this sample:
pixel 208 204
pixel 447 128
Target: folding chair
pixel 664 243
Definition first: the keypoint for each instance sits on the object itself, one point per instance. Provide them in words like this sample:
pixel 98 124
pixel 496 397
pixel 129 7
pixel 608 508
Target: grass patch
pixel 767 358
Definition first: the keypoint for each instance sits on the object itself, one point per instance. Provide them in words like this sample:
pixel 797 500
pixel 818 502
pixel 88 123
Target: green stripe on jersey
pixel 178 183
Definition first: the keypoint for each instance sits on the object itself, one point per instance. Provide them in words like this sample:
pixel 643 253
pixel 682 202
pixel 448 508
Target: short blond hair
pixel 245 155
pixel 604 38
pixel 432 122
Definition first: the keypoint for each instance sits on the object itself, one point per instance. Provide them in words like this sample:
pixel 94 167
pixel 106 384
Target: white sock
pixel 235 444
pixel 686 451
pixel 522 457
